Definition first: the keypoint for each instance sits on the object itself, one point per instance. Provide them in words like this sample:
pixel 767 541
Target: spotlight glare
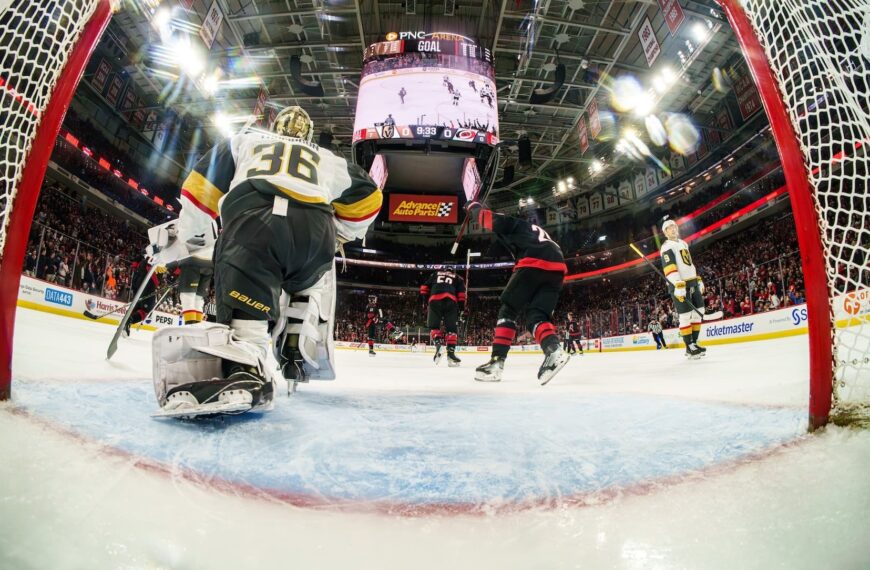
pixel 700 32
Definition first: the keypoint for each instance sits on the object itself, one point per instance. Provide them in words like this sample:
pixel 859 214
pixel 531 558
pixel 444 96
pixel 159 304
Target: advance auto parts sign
pixel 423 208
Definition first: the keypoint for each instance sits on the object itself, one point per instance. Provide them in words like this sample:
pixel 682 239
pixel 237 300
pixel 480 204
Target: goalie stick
pixel 715 316
pixel 493 161
pixel 113 345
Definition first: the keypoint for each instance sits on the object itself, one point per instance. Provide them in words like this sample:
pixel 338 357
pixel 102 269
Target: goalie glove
pixel 680 291
pixel 701 288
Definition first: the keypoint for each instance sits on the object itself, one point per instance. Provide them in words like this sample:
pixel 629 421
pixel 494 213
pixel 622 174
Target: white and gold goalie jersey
pixel 291 168
pixel 677 261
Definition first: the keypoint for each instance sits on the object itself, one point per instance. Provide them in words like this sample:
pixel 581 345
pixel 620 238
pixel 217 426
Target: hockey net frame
pixel 805 58
pixel 44 48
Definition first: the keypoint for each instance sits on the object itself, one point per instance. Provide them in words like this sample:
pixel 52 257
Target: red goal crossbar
pixel 22 210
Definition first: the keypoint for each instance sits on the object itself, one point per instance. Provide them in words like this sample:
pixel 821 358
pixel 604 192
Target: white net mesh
pixel 819 51
pixel 36 37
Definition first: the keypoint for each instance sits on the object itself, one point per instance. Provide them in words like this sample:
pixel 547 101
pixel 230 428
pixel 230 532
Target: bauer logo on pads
pixel 423 208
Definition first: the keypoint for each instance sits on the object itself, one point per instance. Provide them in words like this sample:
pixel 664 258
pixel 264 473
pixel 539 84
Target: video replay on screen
pixel 424 95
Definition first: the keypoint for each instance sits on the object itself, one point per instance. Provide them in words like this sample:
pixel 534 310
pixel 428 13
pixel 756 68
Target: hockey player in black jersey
pixel 146 301
pixel 373 317
pixel 443 292
pixel 532 292
pixel 574 340
pixel 284 203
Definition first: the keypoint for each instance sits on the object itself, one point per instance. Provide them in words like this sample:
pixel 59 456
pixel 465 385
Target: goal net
pixel 44 45
pixel 818 52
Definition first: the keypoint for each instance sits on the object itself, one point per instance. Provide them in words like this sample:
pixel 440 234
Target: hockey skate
pixel 553 363
pixel 437 358
pixel 452 360
pixel 243 390
pixel 702 349
pixel 372 352
pixel 694 352
pixel 491 371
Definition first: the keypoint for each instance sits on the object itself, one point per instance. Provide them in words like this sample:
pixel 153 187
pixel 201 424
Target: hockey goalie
pixel 284 204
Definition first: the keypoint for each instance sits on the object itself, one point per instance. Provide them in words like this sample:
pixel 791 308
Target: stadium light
pixel 211 82
pixel 223 124
pixel 602 238
pixel 700 32
pixel 644 106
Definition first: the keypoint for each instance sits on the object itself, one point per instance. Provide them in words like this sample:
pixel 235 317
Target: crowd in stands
pixel 80 247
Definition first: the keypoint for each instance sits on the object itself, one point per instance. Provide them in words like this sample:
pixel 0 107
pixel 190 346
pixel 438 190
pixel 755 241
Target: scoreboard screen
pixel 429 92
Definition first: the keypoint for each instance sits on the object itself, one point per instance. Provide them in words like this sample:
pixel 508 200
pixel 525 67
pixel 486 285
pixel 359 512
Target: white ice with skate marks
pixel 427 99
pixel 625 460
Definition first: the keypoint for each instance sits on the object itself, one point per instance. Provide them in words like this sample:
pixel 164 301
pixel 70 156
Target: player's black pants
pixel 144 306
pixel 532 294
pixel 443 310
pixel 260 253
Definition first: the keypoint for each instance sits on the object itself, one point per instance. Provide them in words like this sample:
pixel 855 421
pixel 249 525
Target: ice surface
pixel 626 460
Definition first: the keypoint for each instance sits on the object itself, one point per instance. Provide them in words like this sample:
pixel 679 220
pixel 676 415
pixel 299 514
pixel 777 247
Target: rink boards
pixel 852 309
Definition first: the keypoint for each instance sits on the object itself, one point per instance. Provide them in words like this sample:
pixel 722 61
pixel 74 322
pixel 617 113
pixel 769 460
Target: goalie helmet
pixel 294 122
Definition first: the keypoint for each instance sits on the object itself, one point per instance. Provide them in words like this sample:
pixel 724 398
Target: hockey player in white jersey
pixel 283 204
pixel 685 286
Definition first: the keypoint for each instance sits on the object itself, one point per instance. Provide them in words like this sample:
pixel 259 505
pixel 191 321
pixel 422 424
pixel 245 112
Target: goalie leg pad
pixel 188 364
pixel 310 314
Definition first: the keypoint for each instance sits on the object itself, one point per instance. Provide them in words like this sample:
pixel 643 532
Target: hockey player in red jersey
pixel 443 292
pixel 284 203
pixel 532 292
pixel 373 316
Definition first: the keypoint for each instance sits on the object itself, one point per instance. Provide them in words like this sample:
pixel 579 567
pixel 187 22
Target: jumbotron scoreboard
pixel 439 86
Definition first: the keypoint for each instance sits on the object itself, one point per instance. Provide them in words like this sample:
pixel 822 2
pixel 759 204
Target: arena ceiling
pixel 595 40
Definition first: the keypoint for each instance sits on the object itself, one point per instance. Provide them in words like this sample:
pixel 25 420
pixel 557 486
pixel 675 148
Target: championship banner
pixel 101 75
pixel 584 136
pixel 424 208
pixel 594 119
pixel 673 13
pixel 748 99
pixel 211 25
pixel 651 47
pixel 113 95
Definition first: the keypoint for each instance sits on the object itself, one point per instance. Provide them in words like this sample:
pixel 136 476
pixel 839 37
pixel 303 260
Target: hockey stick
pixel 705 316
pixel 113 345
pixel 493 160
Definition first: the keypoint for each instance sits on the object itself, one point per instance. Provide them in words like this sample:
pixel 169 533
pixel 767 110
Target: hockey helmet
pixel 668 223
pixel 373 299
pixel 294 122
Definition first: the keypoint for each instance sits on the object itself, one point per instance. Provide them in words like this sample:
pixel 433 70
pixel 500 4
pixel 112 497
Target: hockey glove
pixel 473 207
pixel 701 288
pixel 680 291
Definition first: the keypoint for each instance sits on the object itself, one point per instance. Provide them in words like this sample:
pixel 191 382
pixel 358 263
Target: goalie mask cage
pixel 44 46
pixel 809 60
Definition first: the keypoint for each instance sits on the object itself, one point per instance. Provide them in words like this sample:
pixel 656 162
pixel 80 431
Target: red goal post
pixel 809 60
pixel 44 47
